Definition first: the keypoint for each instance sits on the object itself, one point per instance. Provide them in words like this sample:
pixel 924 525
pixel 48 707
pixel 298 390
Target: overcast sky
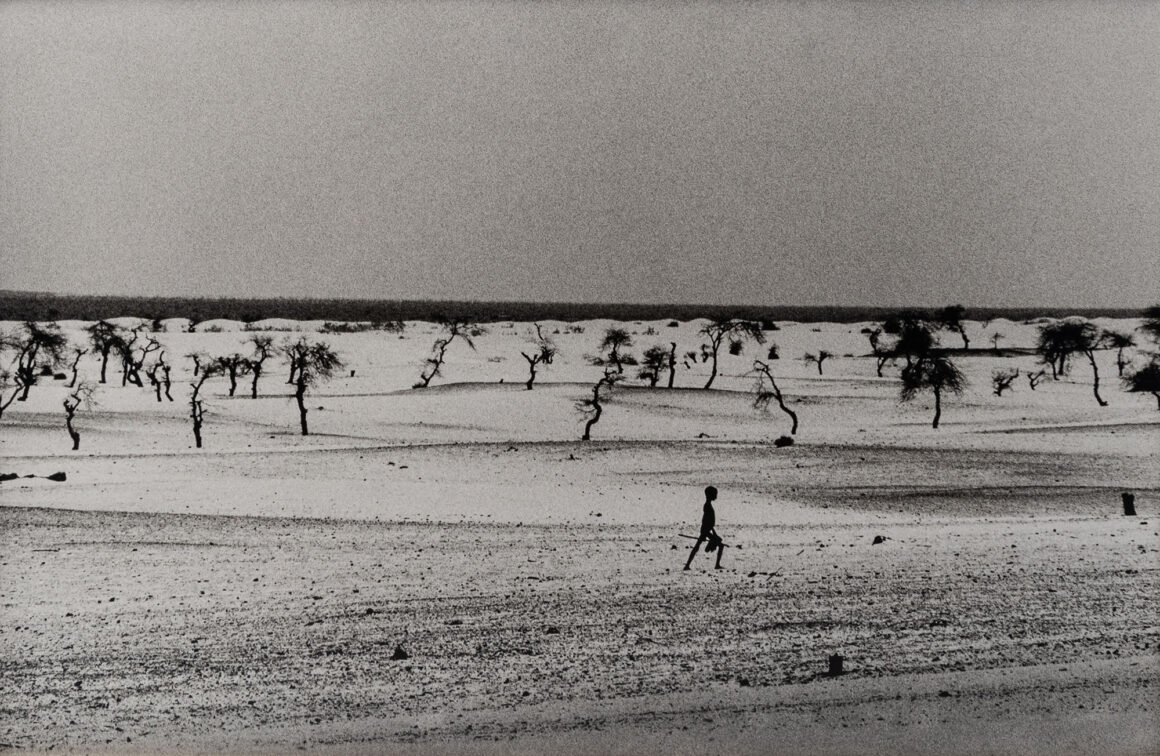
pixel 911 153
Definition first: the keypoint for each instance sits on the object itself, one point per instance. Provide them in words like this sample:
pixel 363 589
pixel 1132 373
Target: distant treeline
pixel 20 305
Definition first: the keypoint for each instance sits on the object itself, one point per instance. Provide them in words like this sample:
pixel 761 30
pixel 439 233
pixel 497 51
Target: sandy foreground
pixel 252 596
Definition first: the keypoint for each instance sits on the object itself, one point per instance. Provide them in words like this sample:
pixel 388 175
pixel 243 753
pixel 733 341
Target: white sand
pixel 1010 610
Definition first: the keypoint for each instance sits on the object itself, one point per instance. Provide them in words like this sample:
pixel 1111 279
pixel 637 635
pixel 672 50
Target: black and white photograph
pixel 580 377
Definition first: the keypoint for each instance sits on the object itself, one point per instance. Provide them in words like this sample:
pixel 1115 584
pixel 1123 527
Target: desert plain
pixel 452 570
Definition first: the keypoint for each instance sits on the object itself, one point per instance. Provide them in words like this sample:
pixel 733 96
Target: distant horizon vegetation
pixel 46 306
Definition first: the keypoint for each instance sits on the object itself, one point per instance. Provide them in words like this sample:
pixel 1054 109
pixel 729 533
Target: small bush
pixel 783 441
pixel 674 324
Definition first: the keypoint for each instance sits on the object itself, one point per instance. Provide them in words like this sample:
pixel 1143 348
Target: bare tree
pixel 544 352
pixel 105 338
pixel 1146 379
pixel 951 319
pixel 655 359
pixel 263 350
pixel 1001 380
pixel 81 395
pixel 231 366
pixel 199 358
pixel 196 405
pixel 1033 379
pixel 767 390
pixel 1119 342
pixel 592 408
pixel 672 363
pixel 615 339
pixel 316 363
pixel 817 359
pixel 77 352
pixel 935 373
pixel 732 328
pixel 133 352
pixel 996 337
pixel 452 330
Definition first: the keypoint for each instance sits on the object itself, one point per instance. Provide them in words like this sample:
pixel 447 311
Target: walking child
pixel 708 531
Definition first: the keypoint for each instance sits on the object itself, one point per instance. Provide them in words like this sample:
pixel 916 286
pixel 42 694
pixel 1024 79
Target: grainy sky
pixel 885 153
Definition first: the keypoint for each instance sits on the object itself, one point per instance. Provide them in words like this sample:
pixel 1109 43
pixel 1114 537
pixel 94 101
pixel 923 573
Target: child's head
pixel 710 493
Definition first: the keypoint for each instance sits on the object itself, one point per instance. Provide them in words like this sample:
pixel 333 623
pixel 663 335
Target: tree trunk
pixel 788 411
pixel 254 384
pixel 820 361
pixel 1157 395
pixel 672 364
pixel 596 416
pixel 76 437
pixel 300 395
pixel 713 372
pixel 966 341
pixel 1096 379
pixel 233 380
pixel 104 364
pixel 937 407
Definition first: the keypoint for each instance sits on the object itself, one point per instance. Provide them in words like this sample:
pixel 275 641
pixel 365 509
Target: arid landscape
pixel 451 569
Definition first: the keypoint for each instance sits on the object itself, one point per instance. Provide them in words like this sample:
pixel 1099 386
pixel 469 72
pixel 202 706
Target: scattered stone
pixel 944 694
pixel 878 540
pixel 552 630
pixel 369 611
pixel 783 441
pixel 743 682
pixel 57 477
pixel 399 654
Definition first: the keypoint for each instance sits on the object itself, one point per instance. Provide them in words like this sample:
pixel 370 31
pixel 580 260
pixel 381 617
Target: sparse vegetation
pixel 544 352
pixel 39 346
pixel 316 363
pixel 817 359
pixel 1146 379
pixel 934 373
pixel 80 396
pixel 615 339
pixel 736 330
pixel 1058 341
pixel 452 329
pixel 1001 380
pixel 656 359
pixel 592 408
pixel 951 319
pixel 767 390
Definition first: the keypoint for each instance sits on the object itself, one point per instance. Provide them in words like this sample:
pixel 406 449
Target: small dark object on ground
pixel 783 441
pixel 743 682
pixel 835 665
pixel 552 630
pixel 399 654
pixel 59 377
pixel 1129 504
pixel 57 477
pixel 878 540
